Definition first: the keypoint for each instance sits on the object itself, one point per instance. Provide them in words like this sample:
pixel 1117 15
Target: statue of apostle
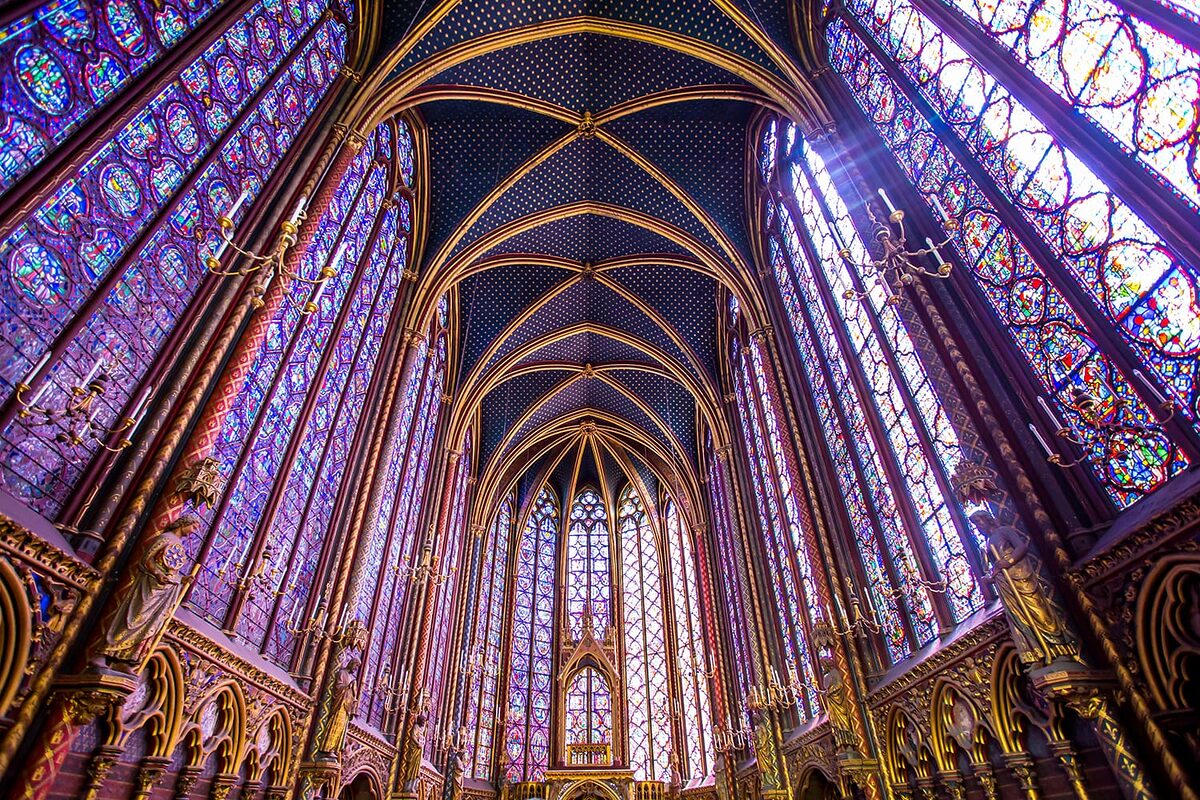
pixel 149 601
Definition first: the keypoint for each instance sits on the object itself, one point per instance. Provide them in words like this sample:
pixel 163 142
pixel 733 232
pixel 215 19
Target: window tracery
pixel 589 583
pixel 527 726
pixel 785 532
pixel 130 228
pixel 690 660
pixel 484 655
pixel 647 693
pixel 1099 305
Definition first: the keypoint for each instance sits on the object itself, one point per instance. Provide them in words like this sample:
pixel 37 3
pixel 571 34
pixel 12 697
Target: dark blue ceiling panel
pixel 469 152
pixel 696 19
pixel 505 404
pixel 671 401
pixel 589 301
pixel 686 298
pixel 489 301
pixel 585 71
pixel 588 348
pixel 589 237
pixel 588 169
pixel 702 147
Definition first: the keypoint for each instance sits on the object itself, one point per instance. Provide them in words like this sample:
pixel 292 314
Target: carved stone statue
pixel 149 600
pixel 837 702
pixel 343 699
pixel 414 748
pixel 455 755
pixel 1035 619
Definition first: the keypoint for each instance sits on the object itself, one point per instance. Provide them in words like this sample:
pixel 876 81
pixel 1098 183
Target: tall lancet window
pixel 647 692
pixel 285 446
pixel 589 582
pixel 786 526
pixel 888 433
pixel 448 550
pixel 109 256
pixel 399 520
pixel 527 728
pixel 484 655
pixel 1077 252
pixel 731 574
pixel 690 660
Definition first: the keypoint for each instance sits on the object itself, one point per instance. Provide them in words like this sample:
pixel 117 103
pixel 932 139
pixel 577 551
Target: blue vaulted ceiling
pixel 587 188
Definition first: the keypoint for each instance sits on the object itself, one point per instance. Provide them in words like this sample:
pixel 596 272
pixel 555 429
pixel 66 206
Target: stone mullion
pixel 821 559
pixel 463 621
pixel 426 592
pixel 765 470
pixel 387 438
pixel 168 508
pixel 772 765
pixel 903 602
pixel 771 399
pixel 405 659
pixel 398 528
pixel 114 275
pixel 381 381
pixel 93 132
pixel 206 435
pixel 936 370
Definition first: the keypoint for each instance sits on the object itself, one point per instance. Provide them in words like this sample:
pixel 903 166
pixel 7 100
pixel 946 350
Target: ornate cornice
pixel 1160 529
pixel 27 546
pixel 986 633
pixel 189 638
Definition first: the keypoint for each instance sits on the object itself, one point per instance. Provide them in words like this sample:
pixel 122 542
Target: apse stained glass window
pixel 527 725
pixel 213 134
pixel 484 655
pixel 1098 304
pixel 588 584
pixel 588 708
pixel 690 660
pixel 646 689
pixel 785 533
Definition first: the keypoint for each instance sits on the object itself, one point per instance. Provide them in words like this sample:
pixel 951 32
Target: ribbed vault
pixel 587 180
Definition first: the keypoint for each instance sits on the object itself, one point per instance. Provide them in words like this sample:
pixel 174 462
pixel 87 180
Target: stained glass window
pixel 484 653
pixel 527 726
pixel 448 557
pixel 786 533
pixel 588 708
pixel 253 442
pixel 690 659
pixel 182 159
pixel 647 693
pixel 385 659
pixel 298 415
pixel 1098 304
pixel 885 425
pixel 731 575
pixel 62 61
pixel 588 584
